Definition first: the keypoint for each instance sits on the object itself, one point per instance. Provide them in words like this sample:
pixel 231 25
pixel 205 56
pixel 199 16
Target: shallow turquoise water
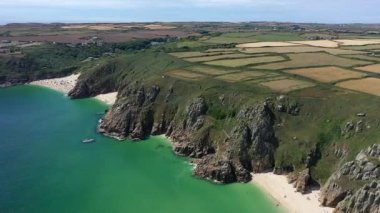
pixel 44 167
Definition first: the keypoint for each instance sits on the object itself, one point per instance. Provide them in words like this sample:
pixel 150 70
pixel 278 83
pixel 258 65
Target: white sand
pixel 284 194
pixel 66 84
pixel 63 85
pixel 108 98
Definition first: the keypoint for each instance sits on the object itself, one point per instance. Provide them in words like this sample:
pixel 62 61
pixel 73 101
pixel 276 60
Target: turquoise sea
pixel 44 166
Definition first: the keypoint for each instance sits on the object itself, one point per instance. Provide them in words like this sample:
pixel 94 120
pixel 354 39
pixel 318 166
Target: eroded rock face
pixel 364 168
pixel 256 137
pixel 366 199
pixel 133 116
pixel 249 147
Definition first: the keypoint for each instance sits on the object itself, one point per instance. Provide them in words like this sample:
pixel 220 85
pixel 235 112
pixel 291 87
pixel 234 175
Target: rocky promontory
pixel 348 187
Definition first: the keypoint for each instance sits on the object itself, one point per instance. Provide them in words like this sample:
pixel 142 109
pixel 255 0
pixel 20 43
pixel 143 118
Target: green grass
pixel 246 37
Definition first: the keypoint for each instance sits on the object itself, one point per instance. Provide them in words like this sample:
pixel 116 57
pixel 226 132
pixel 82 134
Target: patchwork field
pixel 209 70
pixel 241 76
pixel 327 74
pixel 365 47
pixel 357 42
pixel 375 68
pixel 266 44
pixel 318 43
pixel 245 61
pixel 216 57
pixel 221 50
pixel 312 59
pixel 364 57
pixel 185 75
pixel 286 85
pixel 300 49
pixel 193 54
pixel 366 85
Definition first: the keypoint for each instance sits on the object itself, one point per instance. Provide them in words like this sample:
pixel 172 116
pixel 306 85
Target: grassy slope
pixel 324 109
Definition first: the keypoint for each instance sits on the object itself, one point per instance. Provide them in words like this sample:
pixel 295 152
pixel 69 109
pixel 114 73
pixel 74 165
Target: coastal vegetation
pixel 303 110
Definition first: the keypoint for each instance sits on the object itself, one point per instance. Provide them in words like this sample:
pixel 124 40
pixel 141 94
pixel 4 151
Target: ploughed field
pixel 286 66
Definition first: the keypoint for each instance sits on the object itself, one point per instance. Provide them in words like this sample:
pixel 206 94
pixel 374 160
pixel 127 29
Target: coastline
pixel 285 196
pixel 281 193
pixel 66 84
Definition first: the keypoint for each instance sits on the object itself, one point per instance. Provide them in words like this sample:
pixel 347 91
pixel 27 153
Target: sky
pixel 316 11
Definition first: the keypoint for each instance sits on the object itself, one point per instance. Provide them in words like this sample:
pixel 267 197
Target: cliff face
pixel 249 146
pixel 339 189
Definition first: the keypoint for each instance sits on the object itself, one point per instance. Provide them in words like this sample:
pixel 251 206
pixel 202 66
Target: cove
pixel 44 166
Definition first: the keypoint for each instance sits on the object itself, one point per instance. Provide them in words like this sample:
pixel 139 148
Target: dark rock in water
pixel 363 169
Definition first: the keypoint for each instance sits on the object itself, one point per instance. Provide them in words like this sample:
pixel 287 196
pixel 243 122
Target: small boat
pixel 88 140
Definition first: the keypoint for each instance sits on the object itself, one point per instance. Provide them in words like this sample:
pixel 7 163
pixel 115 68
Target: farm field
pixel 312 60
pixel 210 70
pixel 286 85
pixel 357 42
pixel 364 57
pixel 245 61
pixel 266 44
pixel 318 43
pixel 299 49
pixel 327 74
pixel 375 68
pixel 193 54
pixel 366 85
pixel 216 57
pixel 247 37
pixel 241 76
pixel 185 75
pixel 364 47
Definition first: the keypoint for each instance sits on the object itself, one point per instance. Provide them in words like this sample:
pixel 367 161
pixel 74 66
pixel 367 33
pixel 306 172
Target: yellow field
pixel 235 77
pixel 318 43
pixel 375 68
pixel 312 59
pixel 327 74
pixel 209 70
pixel 216 57
pixel 266 44
pixel 358 42
pixel 245 61
pixel 366 85
pixel 286 85
pixel 300 49
pixel 192 54
pixel 186 75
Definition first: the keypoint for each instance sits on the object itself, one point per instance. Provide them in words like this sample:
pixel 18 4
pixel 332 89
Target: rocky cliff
pixel 145 110
pixel 342 190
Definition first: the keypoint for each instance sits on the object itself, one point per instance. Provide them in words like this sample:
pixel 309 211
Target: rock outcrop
pixel 300 180
pixel 366 199
pixel 365 168
pixel 141 111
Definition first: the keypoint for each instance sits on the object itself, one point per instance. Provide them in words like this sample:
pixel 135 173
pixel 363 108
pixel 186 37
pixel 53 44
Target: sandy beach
pixel 284 194
pixel 67 83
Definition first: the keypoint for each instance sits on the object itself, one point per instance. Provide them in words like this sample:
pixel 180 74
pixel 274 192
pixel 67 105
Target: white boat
pixel 88 140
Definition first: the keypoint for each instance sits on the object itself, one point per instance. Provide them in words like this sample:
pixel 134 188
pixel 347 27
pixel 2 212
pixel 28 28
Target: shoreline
pixel 66 84
pixel 284 195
